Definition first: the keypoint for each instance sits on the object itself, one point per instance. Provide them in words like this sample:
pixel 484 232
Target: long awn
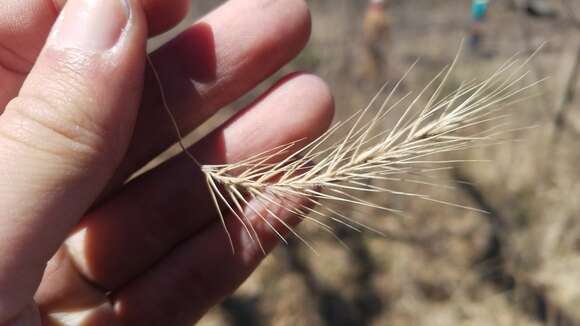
pixel 300 180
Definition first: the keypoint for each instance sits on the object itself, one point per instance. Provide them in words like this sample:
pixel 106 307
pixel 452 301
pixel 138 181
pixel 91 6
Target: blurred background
pixel 439 265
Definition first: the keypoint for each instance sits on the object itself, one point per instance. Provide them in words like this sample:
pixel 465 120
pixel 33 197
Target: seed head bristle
pixel 333 170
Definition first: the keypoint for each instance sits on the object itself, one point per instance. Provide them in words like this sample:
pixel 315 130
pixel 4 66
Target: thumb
pixel 62 137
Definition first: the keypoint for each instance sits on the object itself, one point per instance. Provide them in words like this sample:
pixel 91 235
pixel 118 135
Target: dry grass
pixel 343 170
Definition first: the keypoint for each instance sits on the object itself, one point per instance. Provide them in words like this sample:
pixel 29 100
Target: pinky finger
pixel 202 271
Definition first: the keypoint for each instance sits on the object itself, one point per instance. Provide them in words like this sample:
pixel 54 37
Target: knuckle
pixel 43 126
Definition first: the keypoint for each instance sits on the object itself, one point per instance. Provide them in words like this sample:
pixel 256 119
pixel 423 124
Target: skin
pixel 80 244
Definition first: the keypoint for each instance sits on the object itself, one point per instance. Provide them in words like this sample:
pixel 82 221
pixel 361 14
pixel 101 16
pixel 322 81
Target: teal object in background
pixel 479 9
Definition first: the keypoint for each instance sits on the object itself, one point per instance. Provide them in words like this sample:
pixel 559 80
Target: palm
pixel 152 251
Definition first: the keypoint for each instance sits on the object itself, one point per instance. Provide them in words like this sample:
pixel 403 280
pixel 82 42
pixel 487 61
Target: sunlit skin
pixel 82 115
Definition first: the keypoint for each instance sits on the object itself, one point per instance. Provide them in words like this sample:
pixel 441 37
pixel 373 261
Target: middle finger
pixel 211 64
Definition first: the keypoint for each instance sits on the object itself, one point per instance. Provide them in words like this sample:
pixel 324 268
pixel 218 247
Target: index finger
pixel 25 24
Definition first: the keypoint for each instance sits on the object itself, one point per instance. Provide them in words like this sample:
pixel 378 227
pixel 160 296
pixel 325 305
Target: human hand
pixel 82 114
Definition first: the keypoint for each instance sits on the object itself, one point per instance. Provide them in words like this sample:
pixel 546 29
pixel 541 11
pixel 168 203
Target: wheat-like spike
pixel 326 170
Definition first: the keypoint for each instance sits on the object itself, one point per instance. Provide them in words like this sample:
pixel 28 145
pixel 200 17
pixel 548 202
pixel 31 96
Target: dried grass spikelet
pixel 329 170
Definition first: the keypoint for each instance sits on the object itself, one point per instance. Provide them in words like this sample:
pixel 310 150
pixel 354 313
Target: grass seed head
pixel 329 170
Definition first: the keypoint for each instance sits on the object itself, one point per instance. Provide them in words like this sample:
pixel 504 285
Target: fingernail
pixel 93 25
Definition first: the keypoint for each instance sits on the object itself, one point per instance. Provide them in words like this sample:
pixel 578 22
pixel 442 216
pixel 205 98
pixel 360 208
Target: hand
pixel 82 114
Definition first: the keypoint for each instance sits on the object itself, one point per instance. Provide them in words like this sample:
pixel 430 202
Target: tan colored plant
pixel 330 170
